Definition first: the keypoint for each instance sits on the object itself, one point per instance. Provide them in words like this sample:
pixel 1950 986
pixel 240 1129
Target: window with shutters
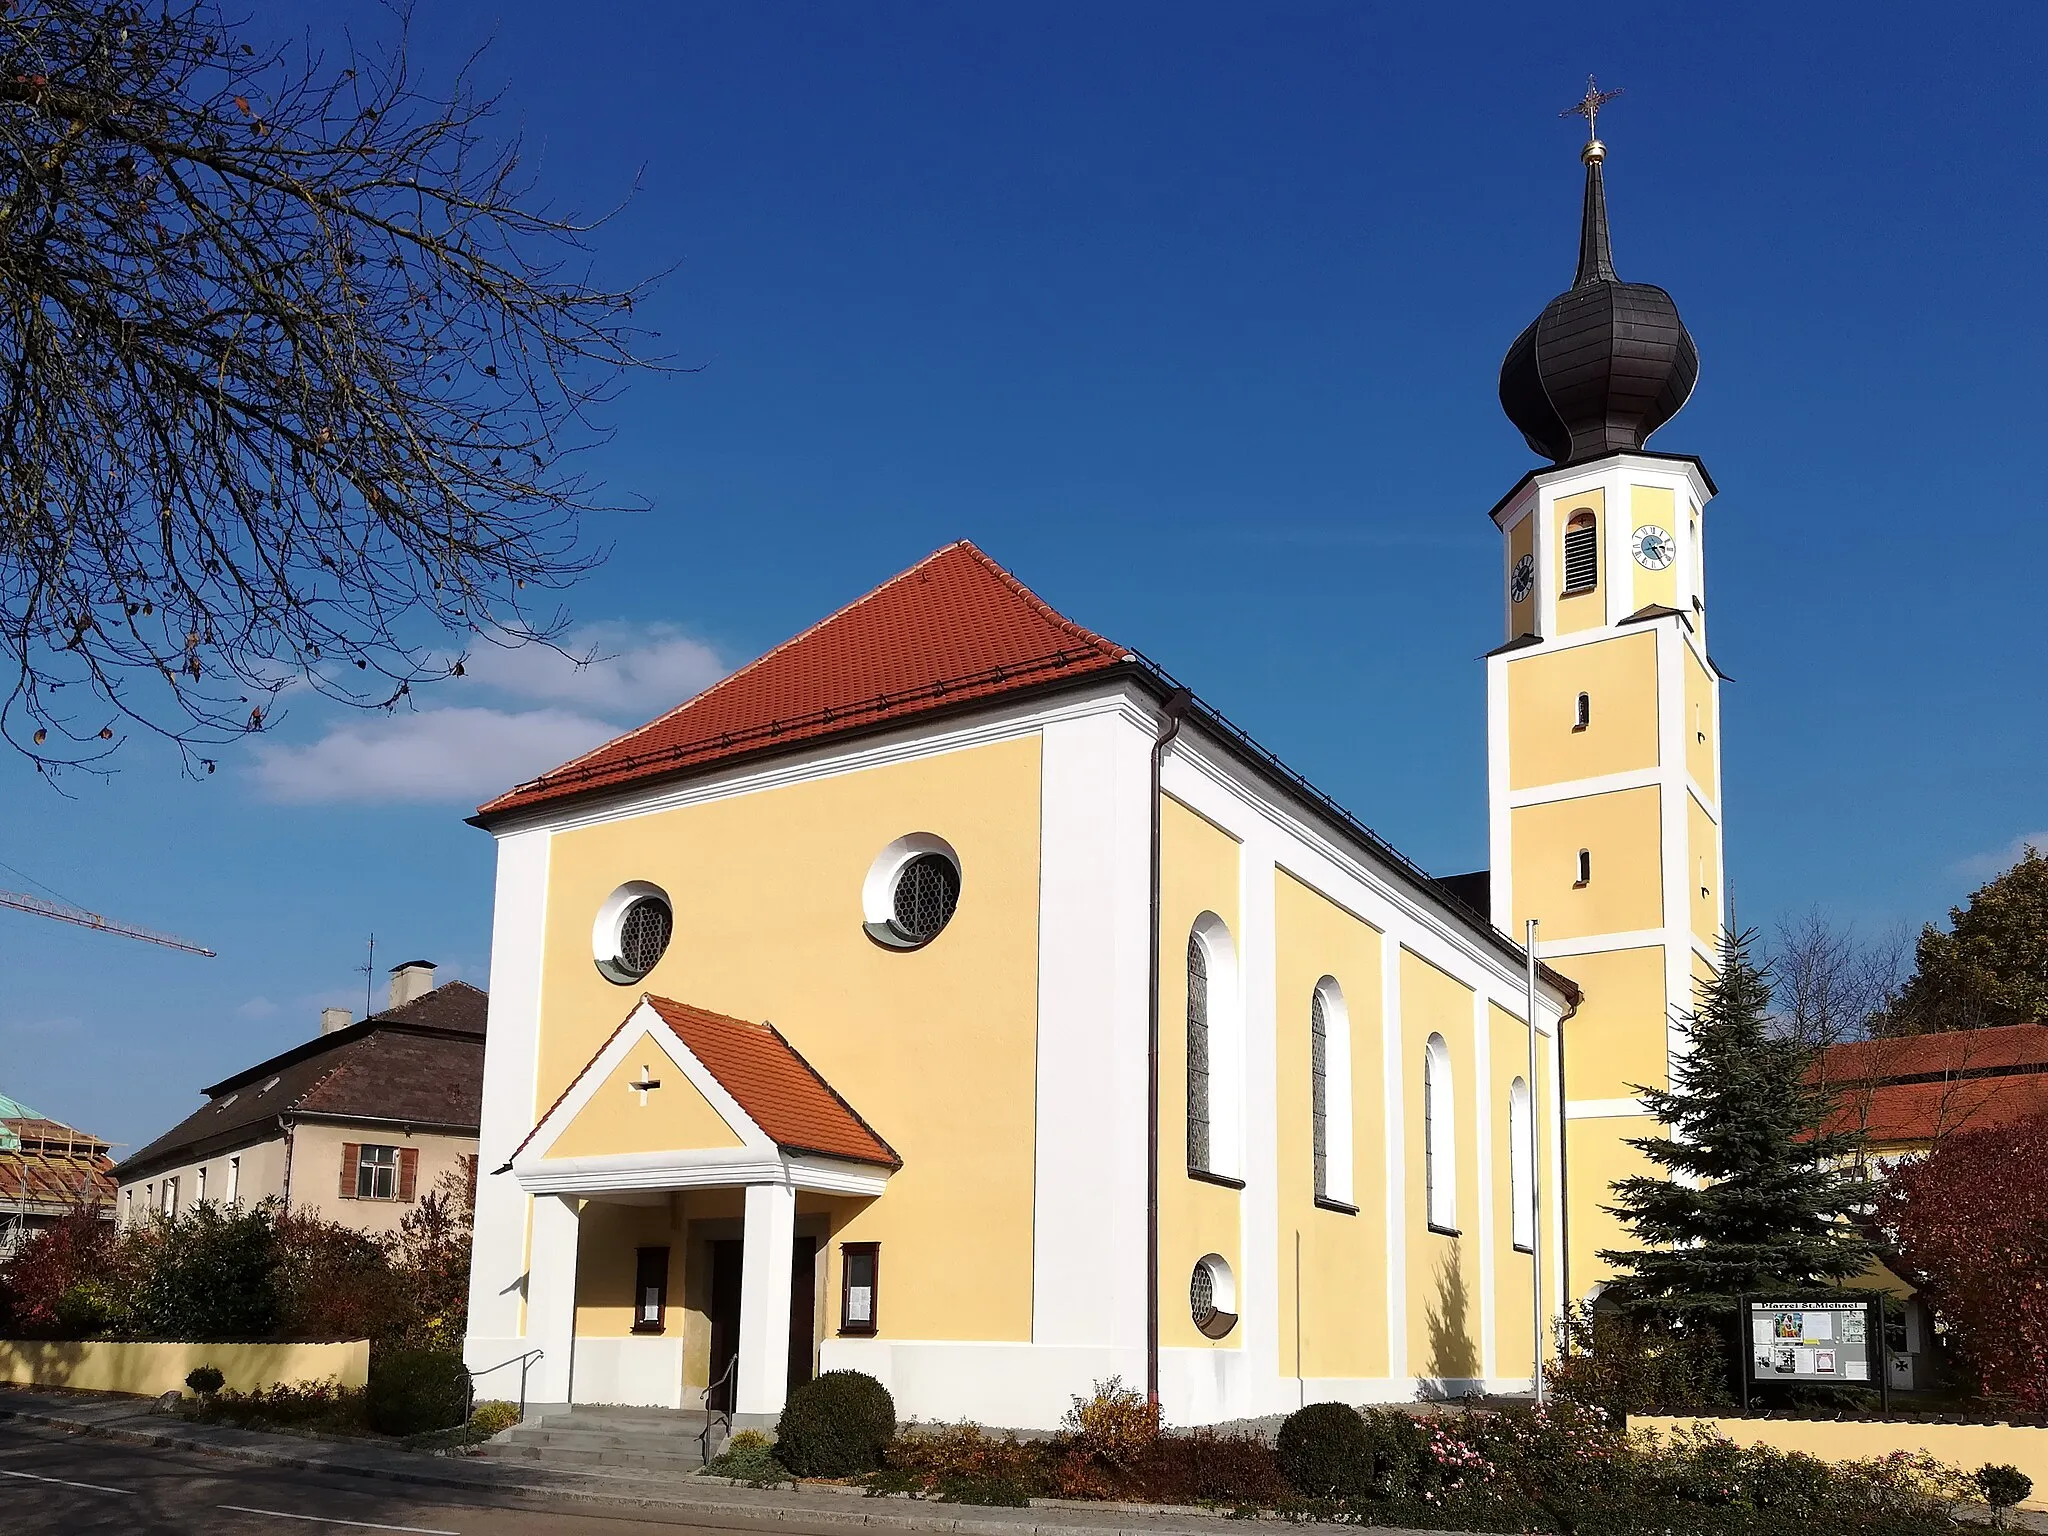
pixel 1581 553
pixel 170 1205
pixel 376 1173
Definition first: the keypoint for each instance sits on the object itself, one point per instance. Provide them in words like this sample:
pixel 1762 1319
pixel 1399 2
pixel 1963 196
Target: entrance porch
pixel 684 1191
pixel 681 1298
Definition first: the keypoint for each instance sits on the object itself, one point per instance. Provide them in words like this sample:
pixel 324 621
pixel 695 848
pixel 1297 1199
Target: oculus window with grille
pixel 911 892
pixel 1581 552
pixel 1212 1296
pixel 632 932
pixel 927 891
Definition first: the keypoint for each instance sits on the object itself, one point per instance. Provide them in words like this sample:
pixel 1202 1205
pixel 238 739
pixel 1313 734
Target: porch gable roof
pixel 757 1080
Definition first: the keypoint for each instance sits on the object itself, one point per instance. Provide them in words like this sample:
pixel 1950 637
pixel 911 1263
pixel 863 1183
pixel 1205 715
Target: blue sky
pixel 1191 315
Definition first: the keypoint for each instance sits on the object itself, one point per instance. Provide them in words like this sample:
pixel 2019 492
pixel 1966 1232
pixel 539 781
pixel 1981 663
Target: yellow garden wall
pixel 1968 1446
pixel 150 1370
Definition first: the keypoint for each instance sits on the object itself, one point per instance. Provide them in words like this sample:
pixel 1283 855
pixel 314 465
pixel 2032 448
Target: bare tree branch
pixel 292 373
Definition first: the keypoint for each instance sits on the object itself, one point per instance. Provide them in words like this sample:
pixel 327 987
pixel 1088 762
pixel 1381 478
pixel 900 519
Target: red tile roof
pixel 773 1083
pixel 954 628
pixel 1914 1088
pixel 767 1076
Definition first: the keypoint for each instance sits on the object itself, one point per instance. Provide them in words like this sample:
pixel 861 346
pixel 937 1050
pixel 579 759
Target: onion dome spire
pixel 1606 363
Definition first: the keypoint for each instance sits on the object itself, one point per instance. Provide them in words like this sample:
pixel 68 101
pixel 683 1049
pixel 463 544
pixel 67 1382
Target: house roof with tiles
pixel 1913 1089
pixel 419 1064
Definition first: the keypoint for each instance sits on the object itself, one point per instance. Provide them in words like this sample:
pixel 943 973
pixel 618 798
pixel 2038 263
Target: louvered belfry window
pixel 1319 1092
pixel 1581 552
pixel 1198 1054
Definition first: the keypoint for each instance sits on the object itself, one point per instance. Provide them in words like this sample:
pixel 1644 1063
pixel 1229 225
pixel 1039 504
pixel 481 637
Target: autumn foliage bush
pixel 1971 1219
pixel 217 1273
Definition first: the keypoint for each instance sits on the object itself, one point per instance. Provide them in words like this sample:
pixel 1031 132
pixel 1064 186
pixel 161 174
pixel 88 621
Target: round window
pixel 911 891
pixel 632 932
pixel 1202 1296
pixel 1212 1296
pixel 644 934
pixel 927 891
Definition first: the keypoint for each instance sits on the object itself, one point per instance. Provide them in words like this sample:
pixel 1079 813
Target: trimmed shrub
pixel 205 1380
pixel 413 1391
pixel 836 1425
pixel 1325 1452
pixel 2002 1488
pixel 1624 1364
pixel 1204 1466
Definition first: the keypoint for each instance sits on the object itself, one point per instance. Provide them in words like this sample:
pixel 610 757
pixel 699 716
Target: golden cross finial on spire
pixel 1589 108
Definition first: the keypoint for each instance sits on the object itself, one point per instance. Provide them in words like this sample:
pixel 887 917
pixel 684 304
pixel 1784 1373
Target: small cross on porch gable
pixel 644 1084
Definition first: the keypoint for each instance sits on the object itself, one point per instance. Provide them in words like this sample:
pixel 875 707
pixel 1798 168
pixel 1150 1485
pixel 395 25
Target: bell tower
pixel 1603 707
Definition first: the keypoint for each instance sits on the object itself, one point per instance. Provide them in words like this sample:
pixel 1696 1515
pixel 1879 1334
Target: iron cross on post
pixel 646 1084
pixel 1589 107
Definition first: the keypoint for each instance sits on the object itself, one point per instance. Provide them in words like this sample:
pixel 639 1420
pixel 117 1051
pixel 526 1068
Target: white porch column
pixel 551 1298
pixel 765 1263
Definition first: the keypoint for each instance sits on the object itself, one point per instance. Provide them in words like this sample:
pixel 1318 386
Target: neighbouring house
pixel 353 1125
pixel 1902 1094
pixel 47 1170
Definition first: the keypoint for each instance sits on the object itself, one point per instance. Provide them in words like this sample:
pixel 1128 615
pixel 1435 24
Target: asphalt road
pixel 54 1482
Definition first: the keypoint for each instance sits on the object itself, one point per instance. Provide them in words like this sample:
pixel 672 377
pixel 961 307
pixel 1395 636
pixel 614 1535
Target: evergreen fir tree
pixel 1757 1198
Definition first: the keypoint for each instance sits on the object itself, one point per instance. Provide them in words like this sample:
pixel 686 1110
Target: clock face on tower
pixel 1653 547
pixel 1525 578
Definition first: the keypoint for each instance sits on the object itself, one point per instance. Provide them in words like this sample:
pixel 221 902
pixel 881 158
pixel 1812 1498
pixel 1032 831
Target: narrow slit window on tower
pixel 1585 867
pixel 1583 715
pixel 1581 553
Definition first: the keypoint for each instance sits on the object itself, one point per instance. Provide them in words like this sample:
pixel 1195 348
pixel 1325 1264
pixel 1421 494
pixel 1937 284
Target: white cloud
pixel 636 670
pixel 1985 866
pixel 434 755
pixel 613 677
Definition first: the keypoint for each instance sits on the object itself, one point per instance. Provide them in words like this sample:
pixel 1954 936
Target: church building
pixel 953 995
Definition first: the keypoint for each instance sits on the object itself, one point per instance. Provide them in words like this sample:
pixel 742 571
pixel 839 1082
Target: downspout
pixel 1170 715
pixel 288 1127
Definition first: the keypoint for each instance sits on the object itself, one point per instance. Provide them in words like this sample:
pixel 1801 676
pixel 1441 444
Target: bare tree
pixel 1828 983
pixel 292 372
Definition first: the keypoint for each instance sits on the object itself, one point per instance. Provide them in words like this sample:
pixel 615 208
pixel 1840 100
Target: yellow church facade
pixel 953 996
pixel 1341 1192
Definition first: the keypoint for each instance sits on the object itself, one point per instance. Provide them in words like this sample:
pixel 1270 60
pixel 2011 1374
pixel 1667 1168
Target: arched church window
pixel 1319 1092
pixel 1198 1053
pixel 1521 1153
pixel 1581 552
pixel 1439 1138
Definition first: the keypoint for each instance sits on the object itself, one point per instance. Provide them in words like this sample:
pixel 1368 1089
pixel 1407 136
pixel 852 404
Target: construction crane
pixel 64 912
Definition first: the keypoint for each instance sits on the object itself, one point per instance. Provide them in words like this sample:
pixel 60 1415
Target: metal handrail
pixel 524 1362
pixel 711 1414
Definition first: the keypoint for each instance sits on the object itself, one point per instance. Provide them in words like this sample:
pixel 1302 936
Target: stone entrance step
pixel 590 1437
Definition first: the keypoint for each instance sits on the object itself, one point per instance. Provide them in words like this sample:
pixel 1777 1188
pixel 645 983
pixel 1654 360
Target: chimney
pixel 413 979
pixel 332 1019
